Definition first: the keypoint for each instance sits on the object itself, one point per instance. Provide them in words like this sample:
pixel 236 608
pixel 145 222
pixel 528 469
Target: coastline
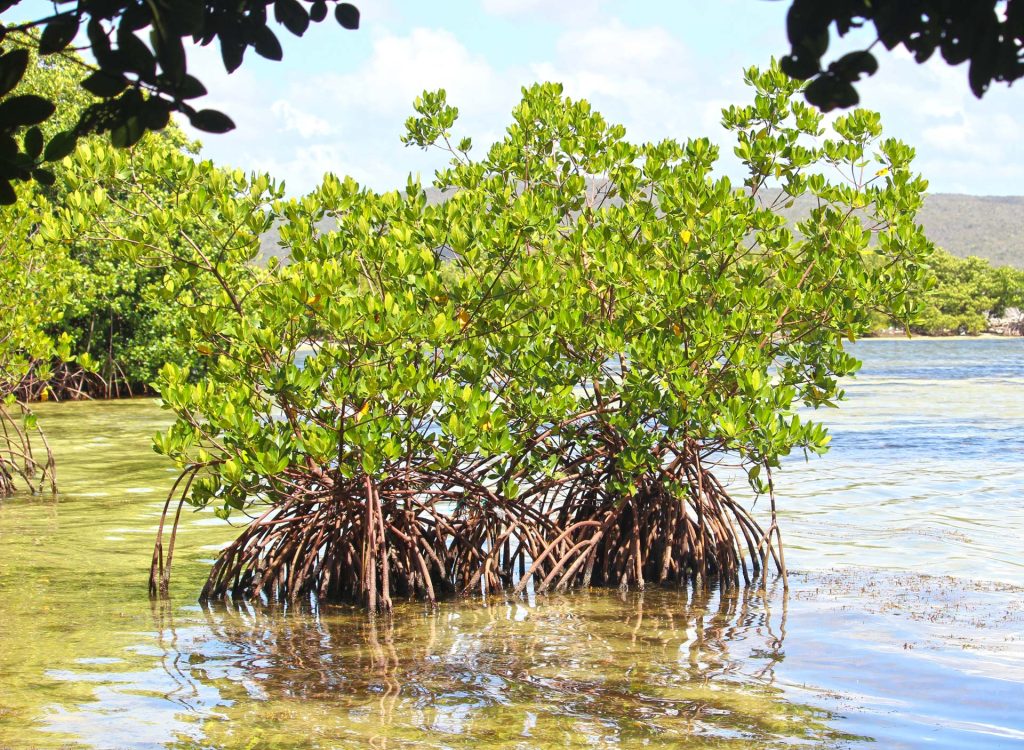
pixel 952 336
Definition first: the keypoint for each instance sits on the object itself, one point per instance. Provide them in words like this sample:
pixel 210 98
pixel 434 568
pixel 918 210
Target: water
pixel 903 626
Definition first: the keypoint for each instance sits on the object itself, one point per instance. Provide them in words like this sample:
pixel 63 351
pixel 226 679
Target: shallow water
pixel 903 626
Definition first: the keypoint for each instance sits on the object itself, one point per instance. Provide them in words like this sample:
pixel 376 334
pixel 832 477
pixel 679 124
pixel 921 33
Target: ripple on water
pixel 904 622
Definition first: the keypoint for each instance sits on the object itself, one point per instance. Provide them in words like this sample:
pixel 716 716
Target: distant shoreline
pixel 922 337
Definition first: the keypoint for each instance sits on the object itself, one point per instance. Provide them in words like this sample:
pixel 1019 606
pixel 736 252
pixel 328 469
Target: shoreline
pixel 950 337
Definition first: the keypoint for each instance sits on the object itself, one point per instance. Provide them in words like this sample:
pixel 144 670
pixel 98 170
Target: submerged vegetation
pixel 532 382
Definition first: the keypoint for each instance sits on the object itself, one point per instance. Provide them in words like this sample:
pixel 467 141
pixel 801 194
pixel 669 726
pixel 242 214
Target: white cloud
pixel 305 124
pixel 643 76
pixel 401 67
pixel 963 144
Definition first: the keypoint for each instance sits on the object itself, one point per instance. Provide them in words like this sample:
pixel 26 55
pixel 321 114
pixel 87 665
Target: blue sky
pixel 339 99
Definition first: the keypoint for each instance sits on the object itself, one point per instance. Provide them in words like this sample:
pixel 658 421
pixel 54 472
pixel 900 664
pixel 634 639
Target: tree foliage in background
pixel 121 320
pixel 533 380
pixel 116 321
pixel 986 34
pixel 140 74
pixel 967 293
pixel 32 276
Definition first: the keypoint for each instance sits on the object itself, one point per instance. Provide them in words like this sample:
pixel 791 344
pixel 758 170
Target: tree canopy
pixel 542 371
pixel 139 76
pixel 986 34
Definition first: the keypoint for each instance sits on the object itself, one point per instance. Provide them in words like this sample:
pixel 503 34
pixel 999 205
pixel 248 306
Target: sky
pixel 339 99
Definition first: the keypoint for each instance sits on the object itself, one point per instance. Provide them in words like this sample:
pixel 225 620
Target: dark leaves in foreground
pixel 986 34
pixel 141 72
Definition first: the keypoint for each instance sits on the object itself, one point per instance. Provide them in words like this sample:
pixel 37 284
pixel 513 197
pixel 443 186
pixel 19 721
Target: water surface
pixel 903 626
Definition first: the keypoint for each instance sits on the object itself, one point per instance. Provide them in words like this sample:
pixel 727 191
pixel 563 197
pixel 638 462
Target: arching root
pixel 19 458
pixel 428 536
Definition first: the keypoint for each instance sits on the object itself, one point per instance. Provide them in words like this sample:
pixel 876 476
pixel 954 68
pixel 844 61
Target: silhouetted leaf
pixel 26 109
pixel 34 142
pixel 318 11
pixel 43 177
pixel 211 121
pixel 135 55
pixel 266 44
pixel 12 68
pixel 128 132
pixel 190 88
pixel 852 65
pixel 826 92
pixel 800 68
pixel 58 34
pixel 99 44
pixel 137 16
pixel 8 146
pixel 104 85
pixel 292 15
pixel 170 53
pixel 347 15
pixel 156 113
pixel 60 146
pixel 232 51
pixel 7 194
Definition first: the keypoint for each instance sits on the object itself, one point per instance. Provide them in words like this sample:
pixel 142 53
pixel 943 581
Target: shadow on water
pixel 664 668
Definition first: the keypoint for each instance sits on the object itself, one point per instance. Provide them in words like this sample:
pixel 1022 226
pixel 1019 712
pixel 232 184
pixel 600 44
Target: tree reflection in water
pixel 675 667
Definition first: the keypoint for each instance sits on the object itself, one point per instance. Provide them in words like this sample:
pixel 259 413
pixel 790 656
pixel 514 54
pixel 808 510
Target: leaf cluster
pixel 140 75
pixel 111 314
pixel 579 300
pixel 986 35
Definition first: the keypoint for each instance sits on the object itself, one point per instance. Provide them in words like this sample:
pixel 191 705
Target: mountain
pixel 991 227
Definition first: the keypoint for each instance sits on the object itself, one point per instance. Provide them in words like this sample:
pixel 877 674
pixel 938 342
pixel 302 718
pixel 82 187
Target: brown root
pixel 20 460
pixel 358 541
pixel 429 535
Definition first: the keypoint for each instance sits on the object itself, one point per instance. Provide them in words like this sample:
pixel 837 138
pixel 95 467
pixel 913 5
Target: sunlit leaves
pixel 576 295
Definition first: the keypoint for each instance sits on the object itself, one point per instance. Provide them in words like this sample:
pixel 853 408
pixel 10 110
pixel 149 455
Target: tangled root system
pixel 432 535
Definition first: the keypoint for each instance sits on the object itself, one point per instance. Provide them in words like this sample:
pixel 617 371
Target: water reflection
pixel 680 668
pixel 931 651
